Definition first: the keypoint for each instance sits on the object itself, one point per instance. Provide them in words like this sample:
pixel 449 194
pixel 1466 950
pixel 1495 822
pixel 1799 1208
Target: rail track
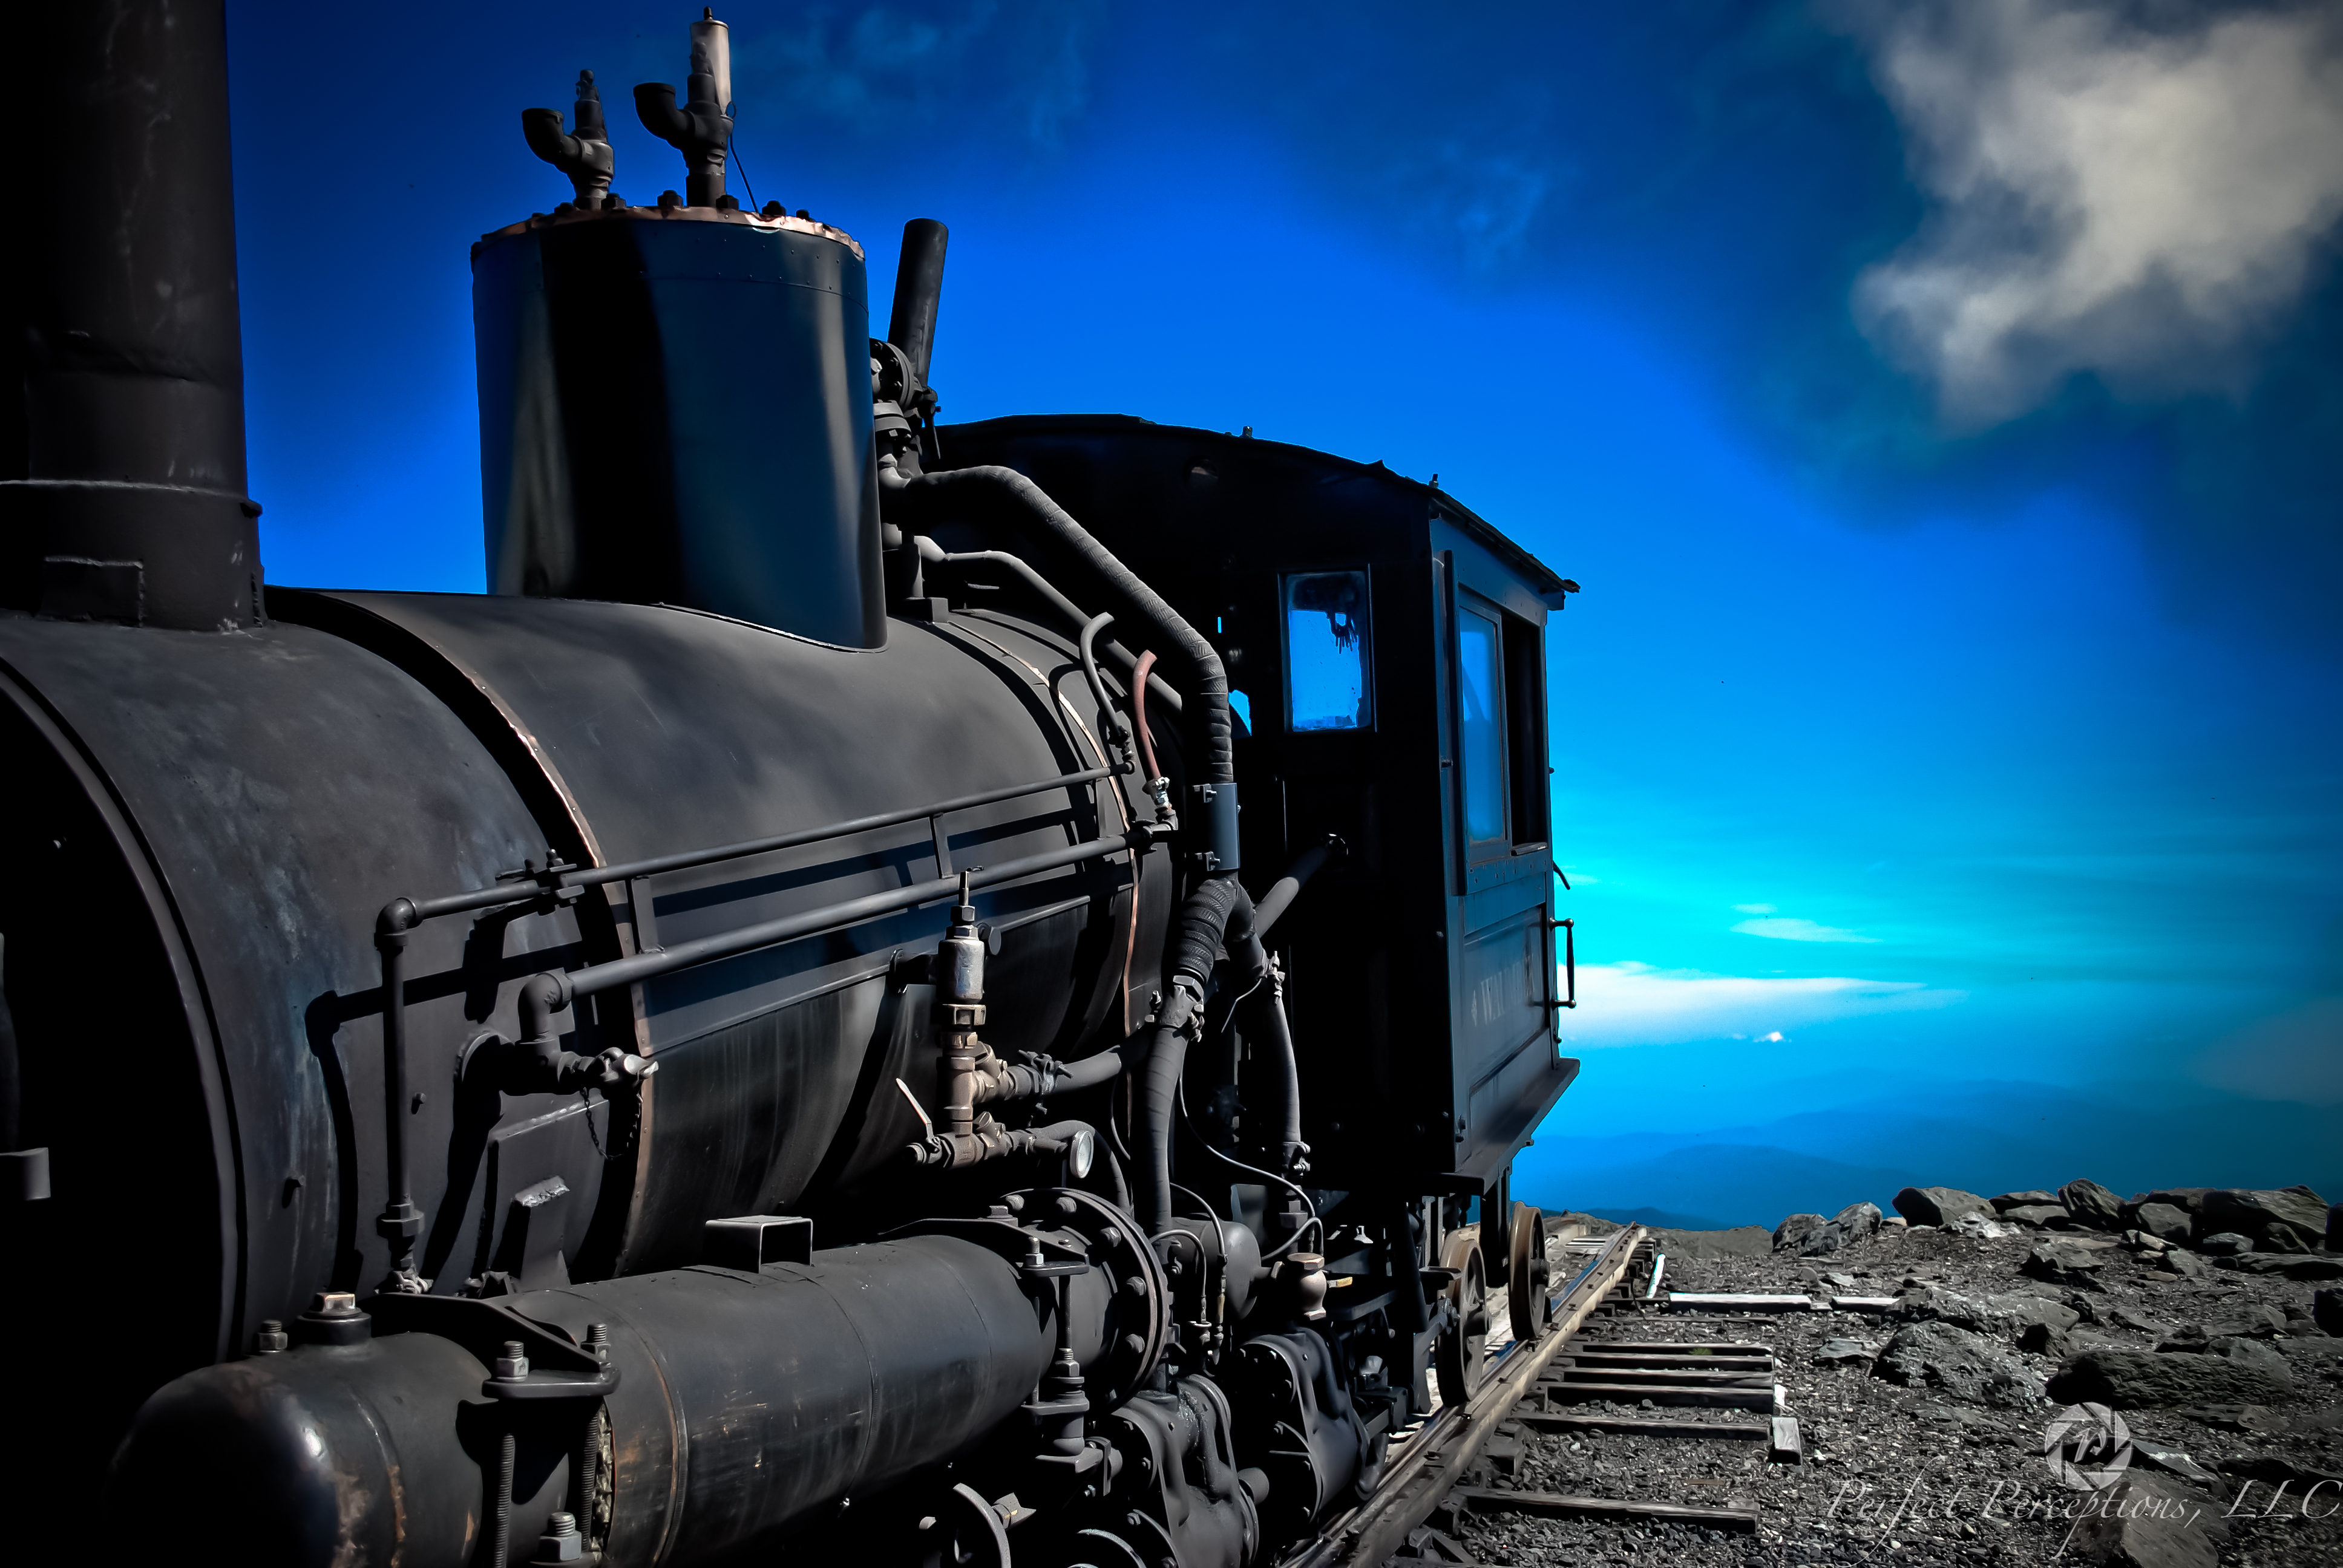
pixel 1440 1471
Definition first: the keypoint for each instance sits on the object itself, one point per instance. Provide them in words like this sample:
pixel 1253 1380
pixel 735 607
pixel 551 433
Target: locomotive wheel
pixel 1527 1274
pixel 1459 1358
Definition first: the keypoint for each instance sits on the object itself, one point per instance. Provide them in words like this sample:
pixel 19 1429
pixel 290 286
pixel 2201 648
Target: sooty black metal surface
pixel 668 729
pixel 675 408
pixel 206 1038
pixel 737 1401
pixel 121 367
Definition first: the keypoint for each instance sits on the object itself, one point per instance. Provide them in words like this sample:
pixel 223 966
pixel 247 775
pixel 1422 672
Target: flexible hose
pixel 1309 1223
pixel 1285 1079
pixel 1138 712
pixel 1069 1077
pixel 1216 916
pixel 1208 681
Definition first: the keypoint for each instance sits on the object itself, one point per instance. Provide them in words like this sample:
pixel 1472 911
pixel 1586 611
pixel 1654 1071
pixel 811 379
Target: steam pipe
pixel 1208 680
pixel 1285 1085
pixel 1217 917
pixel 545 994
pixel 1118 732
pixel 400 1221
pixel 1281 893
pixel 919 289
pixel 1157 687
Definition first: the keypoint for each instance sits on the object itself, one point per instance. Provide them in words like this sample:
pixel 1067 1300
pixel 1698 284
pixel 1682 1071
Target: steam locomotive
pixel 838 1009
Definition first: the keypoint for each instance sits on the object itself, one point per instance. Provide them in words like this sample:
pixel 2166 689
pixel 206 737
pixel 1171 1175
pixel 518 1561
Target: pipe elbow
pixel 541 130
pixel 541 997
pixel 654 107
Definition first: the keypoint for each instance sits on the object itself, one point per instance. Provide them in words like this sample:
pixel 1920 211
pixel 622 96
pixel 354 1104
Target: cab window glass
pixel 1327 664
pixel 1481 726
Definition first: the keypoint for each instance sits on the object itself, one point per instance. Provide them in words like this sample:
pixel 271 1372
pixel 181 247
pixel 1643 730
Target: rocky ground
pixel 1924 1420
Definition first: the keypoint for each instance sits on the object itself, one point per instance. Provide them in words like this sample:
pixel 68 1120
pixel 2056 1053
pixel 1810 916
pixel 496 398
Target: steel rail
pixel 1441 1451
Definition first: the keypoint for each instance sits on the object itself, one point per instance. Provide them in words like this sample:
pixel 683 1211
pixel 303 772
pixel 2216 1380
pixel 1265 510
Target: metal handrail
pixel 401 1222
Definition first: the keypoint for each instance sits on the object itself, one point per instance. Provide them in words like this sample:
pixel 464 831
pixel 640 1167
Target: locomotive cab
pixel 1388 647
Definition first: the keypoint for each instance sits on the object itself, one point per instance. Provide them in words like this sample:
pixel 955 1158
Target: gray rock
pixel 2239 1350
pixel 1793 1233
pixel 2327 1310
pixel 2150 1520
pixel 2093 1205
pixel 2187 1265
pixel 2164 1222
pixel 1957 1363
pixel 1856 1223
pixel 1834 1351
pixel 2138 1322
pixel 2174 1463
pixel 2187 1200
pixel 2020 1311
pixel 1815 1237
pixel 1938 1206
pixel 2225 1245
pixel 2026 1200
pixel 2290 1219
pixel 2306 1266
pixel 2135 1380
pixel 2250 1319
pixel 1934 1303
pixel 2252 1418
pixel 2335 1227
pixel 2065 1263
pixel 1983 1226
pixel 2041 1339
pixel 2282 1470
pixel 2042 1216
pixel 2247 1320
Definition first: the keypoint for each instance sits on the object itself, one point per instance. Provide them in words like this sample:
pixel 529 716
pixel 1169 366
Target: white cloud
pixel 2141 200
pixel 1636 1004
pixel 1753 908
pixel 1790 928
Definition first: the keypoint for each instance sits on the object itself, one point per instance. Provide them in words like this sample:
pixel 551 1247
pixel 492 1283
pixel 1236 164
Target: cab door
pixel 1502 1013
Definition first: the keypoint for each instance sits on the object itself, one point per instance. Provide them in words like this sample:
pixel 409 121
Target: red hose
pixel 1139 711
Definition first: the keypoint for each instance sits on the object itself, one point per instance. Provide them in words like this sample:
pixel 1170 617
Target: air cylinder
pixel 743 1400
pixel 675 408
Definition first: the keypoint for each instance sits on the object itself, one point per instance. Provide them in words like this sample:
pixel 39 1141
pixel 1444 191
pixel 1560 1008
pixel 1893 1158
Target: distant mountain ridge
pixel 1983 1136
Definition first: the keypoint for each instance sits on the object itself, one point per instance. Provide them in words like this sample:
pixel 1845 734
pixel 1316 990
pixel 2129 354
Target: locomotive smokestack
pixel 918 286
pixel 121 478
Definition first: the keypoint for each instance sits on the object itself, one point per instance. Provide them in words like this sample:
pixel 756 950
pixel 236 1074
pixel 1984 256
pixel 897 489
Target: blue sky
pixel 1942 404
